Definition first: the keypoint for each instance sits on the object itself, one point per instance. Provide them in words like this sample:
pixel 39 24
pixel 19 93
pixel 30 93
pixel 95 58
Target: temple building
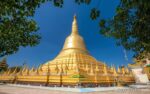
pixel 73 66
pixel 141 69
pixel 3 65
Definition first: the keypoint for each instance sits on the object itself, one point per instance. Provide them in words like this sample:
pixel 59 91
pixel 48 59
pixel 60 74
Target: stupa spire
pixel 74 25
pixel 74 42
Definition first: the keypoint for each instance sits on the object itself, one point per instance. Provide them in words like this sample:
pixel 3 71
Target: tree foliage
pixel 142 56
pixel 17 28
pixel 130 26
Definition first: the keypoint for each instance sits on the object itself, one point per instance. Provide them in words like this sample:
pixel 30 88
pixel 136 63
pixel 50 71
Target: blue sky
pixel 55 26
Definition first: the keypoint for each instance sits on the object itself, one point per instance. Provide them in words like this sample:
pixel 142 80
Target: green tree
pixel 130 26
pixel 17 27
pixel 142 56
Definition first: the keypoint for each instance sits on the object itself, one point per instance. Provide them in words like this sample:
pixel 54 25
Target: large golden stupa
pixel 74 61
pixel 73 66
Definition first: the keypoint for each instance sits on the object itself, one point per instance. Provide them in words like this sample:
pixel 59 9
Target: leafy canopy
pixel 130 26
pixel 17 28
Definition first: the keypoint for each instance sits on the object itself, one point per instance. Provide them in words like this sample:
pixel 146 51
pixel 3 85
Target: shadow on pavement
pixel 3 93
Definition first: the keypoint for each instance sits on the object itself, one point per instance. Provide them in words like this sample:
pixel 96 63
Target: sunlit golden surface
pixel 73 66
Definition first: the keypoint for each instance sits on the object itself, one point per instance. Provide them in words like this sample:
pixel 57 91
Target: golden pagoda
pixel 73 66
pixel 3 64
pixel 74 61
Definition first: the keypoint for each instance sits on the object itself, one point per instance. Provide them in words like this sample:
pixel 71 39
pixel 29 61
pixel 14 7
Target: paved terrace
pixel 27 89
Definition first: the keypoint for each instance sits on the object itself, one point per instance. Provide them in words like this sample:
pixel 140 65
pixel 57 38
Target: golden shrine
pixel 73 66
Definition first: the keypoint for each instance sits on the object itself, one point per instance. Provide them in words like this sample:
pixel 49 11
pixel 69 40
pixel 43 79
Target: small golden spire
pixel 32 69
pixel 8 71
pixel 127 70
pixel 123 70
pixel 37 71
pixel 97 67
pixel 40 67
pixel 119 71
pixel 74 26
pixel 105 69
pixel 74 16
pixel 114 71
pixel 15 70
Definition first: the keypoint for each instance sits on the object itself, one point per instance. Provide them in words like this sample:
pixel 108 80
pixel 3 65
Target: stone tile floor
pixel 6 89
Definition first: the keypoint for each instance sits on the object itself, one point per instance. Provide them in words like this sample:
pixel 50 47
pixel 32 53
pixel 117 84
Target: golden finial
pixel 74 16
pixel 74 26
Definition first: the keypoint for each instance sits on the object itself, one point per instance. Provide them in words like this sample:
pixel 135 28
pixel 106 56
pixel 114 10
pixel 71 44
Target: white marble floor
pixel 27 89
